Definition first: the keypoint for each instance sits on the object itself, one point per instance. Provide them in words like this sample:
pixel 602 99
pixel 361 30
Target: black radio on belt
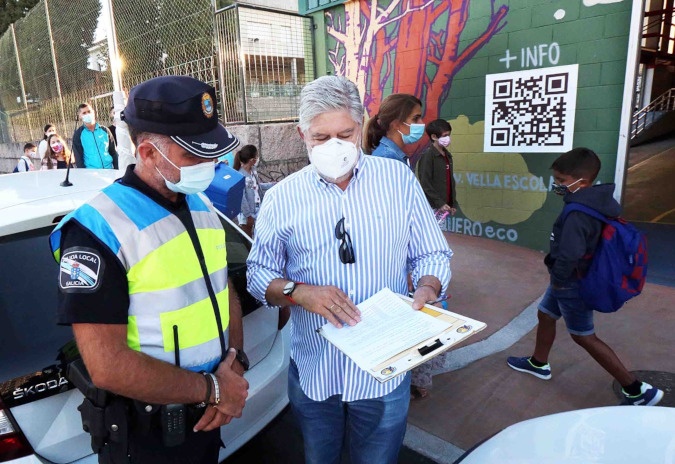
pixel 173 420
pixel 173 416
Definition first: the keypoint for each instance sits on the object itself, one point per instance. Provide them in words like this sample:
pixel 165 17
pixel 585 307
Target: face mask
pixel 57 147
pixel 561 189
pixel 88 118
pixel 416 133
pixel 444 141
pixel 32 154
pixel 257 160
pixel 334 158
pixel 49 134
pixel 193 179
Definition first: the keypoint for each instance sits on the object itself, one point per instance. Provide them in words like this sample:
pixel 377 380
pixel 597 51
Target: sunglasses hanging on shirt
pixel 346 251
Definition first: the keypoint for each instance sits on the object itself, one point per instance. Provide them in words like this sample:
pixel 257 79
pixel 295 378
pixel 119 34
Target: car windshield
pixel 237 252
pixel 30 339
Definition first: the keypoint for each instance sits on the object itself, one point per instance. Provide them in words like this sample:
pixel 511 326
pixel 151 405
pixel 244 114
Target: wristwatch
pixel 289 288
pixel 243 359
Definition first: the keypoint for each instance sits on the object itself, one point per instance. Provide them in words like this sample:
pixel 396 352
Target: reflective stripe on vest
pixel 166 284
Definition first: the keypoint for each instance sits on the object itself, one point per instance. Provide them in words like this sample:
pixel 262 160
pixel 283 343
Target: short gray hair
pixel 163 142
pixel 329 93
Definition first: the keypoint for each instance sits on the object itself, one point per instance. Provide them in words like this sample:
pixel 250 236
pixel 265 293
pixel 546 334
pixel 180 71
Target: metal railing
pixel 651 113
pixel 658 31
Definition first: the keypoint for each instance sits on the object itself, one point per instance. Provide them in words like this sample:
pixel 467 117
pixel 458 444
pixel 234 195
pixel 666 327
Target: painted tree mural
pixel 408 46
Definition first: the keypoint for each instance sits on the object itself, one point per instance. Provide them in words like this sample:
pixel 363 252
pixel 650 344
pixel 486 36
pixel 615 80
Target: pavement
pixel 475 394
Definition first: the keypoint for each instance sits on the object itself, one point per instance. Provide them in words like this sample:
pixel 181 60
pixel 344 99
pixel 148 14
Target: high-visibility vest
pixel 166 285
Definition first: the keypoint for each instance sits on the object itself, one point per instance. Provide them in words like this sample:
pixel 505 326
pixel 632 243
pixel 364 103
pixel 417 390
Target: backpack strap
pixel 569 207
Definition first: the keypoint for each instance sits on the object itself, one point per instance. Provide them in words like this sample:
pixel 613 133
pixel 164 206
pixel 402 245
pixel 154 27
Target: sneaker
pixel 525 365
pixel 649 396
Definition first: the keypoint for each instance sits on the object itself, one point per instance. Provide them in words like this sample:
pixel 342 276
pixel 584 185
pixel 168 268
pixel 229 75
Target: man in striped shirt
pixel 329 237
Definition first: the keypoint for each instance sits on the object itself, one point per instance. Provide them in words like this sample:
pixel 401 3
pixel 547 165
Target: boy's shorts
pixel 567 303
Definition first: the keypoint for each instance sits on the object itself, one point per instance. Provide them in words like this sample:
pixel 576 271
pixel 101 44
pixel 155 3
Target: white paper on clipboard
pixel 387 341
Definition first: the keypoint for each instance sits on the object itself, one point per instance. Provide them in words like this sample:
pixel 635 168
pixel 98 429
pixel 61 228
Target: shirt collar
pixel 387 142
pixel 131 179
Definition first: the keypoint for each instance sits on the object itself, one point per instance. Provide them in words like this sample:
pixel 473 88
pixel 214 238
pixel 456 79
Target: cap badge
pixel 207 105
pixel 206 146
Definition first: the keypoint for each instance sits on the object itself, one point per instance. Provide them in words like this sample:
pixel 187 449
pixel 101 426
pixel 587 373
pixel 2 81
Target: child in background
pixel 434 170
pixel 573 242
pixel 49 129
pixel 58 151
pixel 25 163
pixel 245 161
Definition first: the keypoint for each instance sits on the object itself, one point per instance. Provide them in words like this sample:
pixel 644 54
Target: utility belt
pixel 112 419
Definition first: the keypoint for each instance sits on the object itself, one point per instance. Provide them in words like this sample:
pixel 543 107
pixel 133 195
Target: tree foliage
pixel 11 10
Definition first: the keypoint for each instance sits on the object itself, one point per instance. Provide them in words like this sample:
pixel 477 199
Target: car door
pixel 42 404
pixel 33 350
pixel 261 323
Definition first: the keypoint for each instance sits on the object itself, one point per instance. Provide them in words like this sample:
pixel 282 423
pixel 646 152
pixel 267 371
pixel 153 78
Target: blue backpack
pixel 619 264
pixel 16 168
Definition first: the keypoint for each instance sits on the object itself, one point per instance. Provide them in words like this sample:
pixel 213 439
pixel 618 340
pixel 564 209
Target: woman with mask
pixel 58 151
pixel 398 123
pixel 43 145
pixel 245 161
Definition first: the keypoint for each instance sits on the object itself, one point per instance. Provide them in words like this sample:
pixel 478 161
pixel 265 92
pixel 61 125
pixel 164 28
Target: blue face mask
pixel 416 133
pixel 193 179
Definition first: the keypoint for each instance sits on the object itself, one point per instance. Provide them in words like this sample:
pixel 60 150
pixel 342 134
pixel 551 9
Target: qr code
pixel 531 110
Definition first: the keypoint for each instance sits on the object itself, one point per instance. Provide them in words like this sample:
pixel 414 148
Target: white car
pixel 39 420
pixel 607 435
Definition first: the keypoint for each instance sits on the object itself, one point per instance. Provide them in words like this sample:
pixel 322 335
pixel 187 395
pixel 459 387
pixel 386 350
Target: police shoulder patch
pixel 80 270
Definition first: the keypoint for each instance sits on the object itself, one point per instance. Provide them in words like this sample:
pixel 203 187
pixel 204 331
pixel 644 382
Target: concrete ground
pixel 475 394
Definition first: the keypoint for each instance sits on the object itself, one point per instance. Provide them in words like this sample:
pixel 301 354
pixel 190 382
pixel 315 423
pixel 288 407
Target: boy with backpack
pixel 25 163
pixel 575 237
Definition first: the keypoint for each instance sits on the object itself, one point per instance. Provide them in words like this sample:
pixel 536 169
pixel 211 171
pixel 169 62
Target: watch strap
pixel 243 359
pixel 290 295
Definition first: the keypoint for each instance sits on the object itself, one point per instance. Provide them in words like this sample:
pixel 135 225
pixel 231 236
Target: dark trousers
pixel 198 448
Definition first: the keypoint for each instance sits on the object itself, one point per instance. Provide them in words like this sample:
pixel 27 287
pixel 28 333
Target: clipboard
pixel 461 327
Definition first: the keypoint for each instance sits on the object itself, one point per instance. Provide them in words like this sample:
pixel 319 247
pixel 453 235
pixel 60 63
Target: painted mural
pixel 397 46
pixel 520 83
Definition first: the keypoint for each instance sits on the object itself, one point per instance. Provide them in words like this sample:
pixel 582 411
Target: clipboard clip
pixel 425 350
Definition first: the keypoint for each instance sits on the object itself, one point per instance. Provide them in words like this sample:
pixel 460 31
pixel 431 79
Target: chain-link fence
pixel 50 61
pixel 57 57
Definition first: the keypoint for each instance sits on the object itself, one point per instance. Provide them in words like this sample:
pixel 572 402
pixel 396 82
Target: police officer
pixel 143 279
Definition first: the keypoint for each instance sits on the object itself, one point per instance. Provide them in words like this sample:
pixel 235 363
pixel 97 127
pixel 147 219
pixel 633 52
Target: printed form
pixel 388 327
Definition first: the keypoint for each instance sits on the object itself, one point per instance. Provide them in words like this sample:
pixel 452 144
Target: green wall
pixel 506 196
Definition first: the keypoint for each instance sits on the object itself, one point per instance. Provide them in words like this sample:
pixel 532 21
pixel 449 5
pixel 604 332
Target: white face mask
pixel 444 141
pixel 193 179
pixel 334 159
pixel 88 118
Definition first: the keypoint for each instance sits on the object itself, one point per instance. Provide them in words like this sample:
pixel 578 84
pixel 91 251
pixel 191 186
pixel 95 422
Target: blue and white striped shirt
pixel 391 225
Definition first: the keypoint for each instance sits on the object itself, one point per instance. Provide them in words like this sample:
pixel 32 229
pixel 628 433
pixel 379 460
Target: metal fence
pixel 57 57
pixel 265 57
